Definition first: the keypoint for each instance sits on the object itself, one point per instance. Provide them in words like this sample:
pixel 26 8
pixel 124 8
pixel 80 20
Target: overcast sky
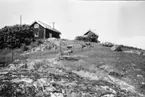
pixel 120 22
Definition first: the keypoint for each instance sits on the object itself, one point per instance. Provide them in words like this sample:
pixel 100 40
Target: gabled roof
pixel 90 32
pixel 46 26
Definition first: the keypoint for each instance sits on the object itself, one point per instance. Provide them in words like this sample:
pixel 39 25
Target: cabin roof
pixel 90 32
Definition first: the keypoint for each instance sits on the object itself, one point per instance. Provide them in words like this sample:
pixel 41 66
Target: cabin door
pixel 50 35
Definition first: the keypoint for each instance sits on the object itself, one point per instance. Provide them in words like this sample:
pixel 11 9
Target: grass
pixel 122 64
pixel 6 56
pixel 95 60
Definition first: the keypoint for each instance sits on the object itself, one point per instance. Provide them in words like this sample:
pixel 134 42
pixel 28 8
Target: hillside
pixel 94 71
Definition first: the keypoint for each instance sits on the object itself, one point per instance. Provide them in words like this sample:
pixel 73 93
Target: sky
pixel 120 22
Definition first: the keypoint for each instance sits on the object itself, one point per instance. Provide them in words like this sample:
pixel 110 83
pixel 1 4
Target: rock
pixel 50 89
pixel 69 46
pixel 68 58
pixel 139 52
pixel 26 80
pixel 56 95
pixel 21 65
pixel 143 54
pixel 116 74
pixel 67 52
pixel 116 48
pixel 129 51
pixel 107 88
pixel 30 65
pixel 140 76
pixel 142 86
pixel 108 95
pixel 12 67
pixel 107 44
pixel 73 94
pixel 17 60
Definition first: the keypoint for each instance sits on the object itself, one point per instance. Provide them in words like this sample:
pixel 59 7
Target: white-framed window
pixel 36 26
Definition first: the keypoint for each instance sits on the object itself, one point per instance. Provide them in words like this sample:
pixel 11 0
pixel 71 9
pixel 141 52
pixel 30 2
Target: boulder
pixel 69 46
pixel 116 48
pixel 67 52
pixel 108 95
pixel 139 52
pixel 108 89
pixel 107 44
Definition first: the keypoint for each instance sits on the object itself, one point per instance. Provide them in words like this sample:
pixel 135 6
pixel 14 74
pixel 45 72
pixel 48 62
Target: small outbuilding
pixel 93 37
pixel 43 31
pixel 89 36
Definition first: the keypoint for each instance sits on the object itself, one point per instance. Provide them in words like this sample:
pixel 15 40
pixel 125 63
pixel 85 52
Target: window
pixel 37 34
pixel 36 26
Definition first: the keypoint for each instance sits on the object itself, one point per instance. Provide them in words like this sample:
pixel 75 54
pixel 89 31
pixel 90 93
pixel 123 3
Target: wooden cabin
pixel 44 31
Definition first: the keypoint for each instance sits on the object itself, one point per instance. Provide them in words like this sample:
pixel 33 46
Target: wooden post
pixel 44 33
pixel 20 20
pixel 60 47
pixel 40 50
pixel 12 55
pixel 53 24
pixel 12 47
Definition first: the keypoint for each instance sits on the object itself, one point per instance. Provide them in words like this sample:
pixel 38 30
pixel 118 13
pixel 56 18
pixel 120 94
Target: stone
pixel 107 88
pixel 73 94
pixel 139 52
pixel 107 44
pixel 56 95
pixel 116 48
pixel 108 95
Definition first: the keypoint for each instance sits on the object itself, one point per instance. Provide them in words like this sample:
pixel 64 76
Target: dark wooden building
pixel 93 37
pixel 43 31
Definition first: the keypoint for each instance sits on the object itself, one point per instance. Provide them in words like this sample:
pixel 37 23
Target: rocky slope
pixel 86 73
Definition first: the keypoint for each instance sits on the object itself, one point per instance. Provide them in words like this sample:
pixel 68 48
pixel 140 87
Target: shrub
pixel 80 38
pixel 16 35
pixel 87 38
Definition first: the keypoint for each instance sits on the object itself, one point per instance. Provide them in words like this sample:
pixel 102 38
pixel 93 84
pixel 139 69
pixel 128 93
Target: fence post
pixel 60 47
pixel 12 55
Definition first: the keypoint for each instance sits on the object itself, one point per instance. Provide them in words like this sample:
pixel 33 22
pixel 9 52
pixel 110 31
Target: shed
pixel 93 37
pixel 91 33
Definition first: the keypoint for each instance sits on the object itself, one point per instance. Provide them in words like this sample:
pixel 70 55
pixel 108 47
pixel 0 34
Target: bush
pixel 16 35
pixel 24 47
pixel 88 38
pixel 81 38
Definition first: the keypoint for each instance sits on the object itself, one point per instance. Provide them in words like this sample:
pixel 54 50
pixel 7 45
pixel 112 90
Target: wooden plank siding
pixel 40 31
